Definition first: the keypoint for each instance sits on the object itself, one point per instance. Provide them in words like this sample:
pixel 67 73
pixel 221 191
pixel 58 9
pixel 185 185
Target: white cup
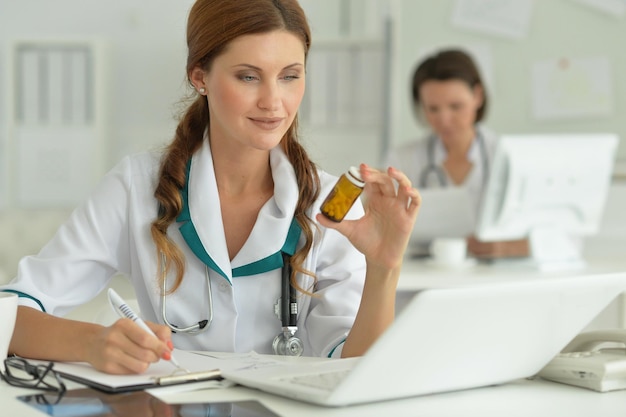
pixel 8 312
pixel 449 251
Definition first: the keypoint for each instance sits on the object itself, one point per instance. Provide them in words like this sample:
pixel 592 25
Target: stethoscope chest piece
pixel 287 344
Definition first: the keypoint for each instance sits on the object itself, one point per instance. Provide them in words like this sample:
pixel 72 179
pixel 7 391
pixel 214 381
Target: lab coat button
pixel 224 286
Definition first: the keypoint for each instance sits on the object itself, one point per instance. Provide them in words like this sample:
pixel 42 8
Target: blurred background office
pixel 85 82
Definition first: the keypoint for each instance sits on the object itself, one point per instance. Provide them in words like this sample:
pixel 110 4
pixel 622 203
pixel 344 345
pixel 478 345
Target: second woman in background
pixel 449 95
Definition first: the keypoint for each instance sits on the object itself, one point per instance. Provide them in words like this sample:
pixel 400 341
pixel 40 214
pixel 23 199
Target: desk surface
pixel 420 273
pixel 518 398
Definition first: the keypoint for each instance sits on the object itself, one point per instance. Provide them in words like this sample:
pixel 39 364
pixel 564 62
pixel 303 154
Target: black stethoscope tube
pixel 288 299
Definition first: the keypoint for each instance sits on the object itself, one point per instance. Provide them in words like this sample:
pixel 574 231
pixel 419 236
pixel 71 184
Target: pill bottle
pixel 343 195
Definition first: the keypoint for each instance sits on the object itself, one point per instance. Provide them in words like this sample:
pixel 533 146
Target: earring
pixel 202 90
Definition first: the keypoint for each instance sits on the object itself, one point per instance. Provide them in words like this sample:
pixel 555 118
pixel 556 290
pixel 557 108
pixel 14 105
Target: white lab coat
pixel 413 159
pixel 110 234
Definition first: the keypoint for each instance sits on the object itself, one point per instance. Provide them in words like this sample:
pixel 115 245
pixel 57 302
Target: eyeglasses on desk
pixel 18 372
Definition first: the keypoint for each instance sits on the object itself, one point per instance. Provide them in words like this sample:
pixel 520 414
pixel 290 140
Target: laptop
pixel 449 339
pixel 444 212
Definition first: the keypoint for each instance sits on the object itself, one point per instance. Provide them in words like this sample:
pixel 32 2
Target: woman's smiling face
pixel 254 89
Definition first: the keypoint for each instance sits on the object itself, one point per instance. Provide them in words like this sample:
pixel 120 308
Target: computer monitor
pixel 549 188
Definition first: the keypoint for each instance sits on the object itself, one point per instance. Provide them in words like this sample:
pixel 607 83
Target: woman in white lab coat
pixel 203 228
pixel 448 92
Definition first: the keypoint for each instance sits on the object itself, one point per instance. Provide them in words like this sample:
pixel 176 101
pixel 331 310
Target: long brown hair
pixel 211 25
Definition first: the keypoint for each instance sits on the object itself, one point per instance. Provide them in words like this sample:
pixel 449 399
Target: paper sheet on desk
pixel 444 212
pixel 193 361
pixel 242 361
pixel 86 374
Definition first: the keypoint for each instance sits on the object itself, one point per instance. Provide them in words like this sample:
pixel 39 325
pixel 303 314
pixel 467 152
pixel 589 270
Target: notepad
pixel 162 373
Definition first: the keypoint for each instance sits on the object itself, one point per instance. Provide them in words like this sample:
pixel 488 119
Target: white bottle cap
pixel 354 175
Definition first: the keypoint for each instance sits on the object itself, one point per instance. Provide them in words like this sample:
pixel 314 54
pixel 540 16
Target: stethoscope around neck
pixel 196 327
pixel 286 342
pixel 432 168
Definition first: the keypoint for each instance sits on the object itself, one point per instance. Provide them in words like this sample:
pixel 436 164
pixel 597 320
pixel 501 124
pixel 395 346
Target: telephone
pixel 585 364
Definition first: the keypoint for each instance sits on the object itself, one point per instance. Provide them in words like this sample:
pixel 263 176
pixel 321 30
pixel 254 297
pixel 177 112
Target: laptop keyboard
pixel 324 380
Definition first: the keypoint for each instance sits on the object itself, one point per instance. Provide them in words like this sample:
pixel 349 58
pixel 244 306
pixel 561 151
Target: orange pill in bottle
pixel 343 195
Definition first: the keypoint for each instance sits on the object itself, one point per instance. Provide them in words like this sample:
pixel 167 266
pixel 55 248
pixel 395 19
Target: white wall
pixel 146 62
pixel 146 51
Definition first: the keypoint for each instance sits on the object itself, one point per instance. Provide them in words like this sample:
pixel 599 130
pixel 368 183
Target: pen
pixel 120 306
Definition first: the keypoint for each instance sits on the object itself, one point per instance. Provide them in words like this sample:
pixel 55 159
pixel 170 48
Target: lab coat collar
pixel 473 153
pixel 274 231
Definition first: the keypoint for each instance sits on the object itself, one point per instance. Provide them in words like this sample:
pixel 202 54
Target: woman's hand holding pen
pixel 382 234
pixel 125 348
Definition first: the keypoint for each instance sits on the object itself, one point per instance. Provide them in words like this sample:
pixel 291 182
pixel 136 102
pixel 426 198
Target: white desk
pixel 519 398
pixel 419 273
